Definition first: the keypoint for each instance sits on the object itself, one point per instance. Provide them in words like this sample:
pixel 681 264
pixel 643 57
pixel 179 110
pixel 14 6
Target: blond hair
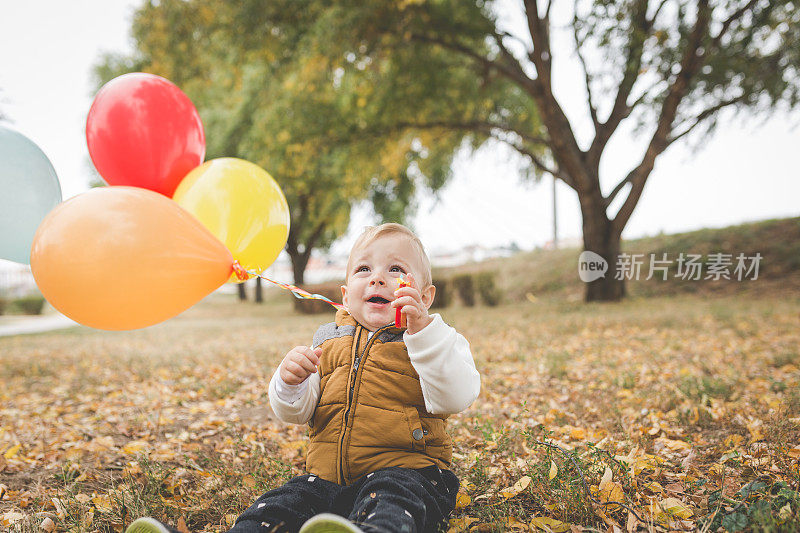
pixel 373 233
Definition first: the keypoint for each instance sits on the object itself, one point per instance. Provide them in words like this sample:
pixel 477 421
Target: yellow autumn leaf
pixel 671 507
pixel 11 452
pixel 545 523
pixel 515 489
pixel 609 490
pixel 553 470
pixel 512 524
pixel 134 447
pixel 733 441
pixel 457 525
pixel 462 500
pixel 755 427
pixel 672 445
pixel 102 503
pixel 577 434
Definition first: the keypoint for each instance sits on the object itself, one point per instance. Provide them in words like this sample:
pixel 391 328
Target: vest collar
pixel 343 318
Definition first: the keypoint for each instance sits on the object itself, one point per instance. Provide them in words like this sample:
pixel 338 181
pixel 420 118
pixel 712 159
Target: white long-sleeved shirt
pixel 440 355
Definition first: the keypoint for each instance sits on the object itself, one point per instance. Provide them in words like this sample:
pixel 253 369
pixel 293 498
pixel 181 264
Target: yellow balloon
pixel 241 205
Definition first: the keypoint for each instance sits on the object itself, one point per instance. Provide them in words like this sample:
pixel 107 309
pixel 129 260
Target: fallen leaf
pixel 609 490
pixel 11 452
pixel 462 500
pixel 512 524
pixel 546 523
pixel 457 525
pixel 134 447
pixel 181 526
pixel 102 503
pixel 670 507
pixel 11 517
pixel 553 470
pixel 47 525
pixel 515 489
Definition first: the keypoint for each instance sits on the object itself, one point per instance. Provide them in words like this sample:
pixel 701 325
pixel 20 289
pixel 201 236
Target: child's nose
pixel 377 279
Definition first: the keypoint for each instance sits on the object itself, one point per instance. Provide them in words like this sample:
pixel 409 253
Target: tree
pixel 670 67
pixel 267 93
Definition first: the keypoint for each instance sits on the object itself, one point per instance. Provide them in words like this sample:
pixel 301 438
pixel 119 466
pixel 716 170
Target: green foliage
pixel 28 305
pixel 465 288
pixel 283 84
pixel 490 295
pixel 443 295
pixel 757 506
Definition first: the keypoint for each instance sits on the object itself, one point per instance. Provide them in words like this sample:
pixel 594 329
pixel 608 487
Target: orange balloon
pixel 125 258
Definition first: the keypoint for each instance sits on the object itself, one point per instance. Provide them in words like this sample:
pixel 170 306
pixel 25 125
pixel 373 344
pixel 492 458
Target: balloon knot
pixel 241 273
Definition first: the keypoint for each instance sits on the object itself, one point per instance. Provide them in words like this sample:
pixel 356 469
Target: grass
pixel 553 273
pixel 677 398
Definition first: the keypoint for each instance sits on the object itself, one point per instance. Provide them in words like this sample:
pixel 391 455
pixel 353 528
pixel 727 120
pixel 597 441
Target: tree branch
pixel 476 126
pixel 610 198
pixel 652 19
pixel 538 163
pixel 563 144
pixel 706 114
pixel 640 28
pixel 547 10
pixel 586 75
pixel 504 34
pixel 518 75
pixel 730 20
pixel 690 63
pixel 540 36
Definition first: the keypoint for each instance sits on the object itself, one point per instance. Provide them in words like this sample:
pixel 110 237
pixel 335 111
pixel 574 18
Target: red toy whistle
pixel 398 318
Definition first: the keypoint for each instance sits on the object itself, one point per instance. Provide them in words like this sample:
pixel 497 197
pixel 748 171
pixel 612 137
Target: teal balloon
pixel 29 189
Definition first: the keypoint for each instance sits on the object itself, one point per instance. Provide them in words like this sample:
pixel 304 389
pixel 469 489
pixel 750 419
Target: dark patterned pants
pixel 388 500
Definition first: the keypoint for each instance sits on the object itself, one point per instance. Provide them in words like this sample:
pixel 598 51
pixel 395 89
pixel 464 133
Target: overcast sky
pixel 746 172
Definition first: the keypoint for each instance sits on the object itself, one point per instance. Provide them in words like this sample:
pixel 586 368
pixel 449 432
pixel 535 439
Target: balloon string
pixel 298 293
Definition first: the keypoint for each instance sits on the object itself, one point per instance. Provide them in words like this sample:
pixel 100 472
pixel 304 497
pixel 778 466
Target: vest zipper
pixel 351 386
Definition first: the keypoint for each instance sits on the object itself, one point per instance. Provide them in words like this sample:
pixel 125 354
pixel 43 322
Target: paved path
pixel 23 325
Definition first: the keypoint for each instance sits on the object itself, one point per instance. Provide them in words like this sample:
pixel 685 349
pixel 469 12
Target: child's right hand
pixel 299 363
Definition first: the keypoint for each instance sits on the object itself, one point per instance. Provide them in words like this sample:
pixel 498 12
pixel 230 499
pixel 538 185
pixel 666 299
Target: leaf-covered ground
pixel 654 414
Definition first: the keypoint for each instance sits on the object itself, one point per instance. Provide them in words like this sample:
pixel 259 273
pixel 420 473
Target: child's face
pixel 373 278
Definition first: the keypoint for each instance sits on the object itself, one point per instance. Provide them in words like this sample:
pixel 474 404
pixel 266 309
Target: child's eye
pixel 397 268
pixel 362 268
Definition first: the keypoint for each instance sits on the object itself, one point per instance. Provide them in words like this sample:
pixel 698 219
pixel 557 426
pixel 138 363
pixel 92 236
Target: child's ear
pixel 344 295
pixel 427 296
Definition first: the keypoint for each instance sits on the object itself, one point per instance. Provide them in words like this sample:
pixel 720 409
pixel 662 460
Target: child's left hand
pixel 409 301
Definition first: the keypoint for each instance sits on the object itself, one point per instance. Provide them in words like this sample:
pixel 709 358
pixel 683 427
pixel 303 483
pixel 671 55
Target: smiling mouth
pixel 378 300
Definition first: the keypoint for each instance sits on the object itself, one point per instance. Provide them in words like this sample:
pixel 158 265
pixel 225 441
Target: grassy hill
pixel 554 273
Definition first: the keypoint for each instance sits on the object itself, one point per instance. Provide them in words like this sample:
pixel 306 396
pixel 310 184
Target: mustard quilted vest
pixel 371 413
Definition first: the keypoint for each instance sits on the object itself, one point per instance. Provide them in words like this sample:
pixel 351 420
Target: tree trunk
pixel 242 292
pixel 600 237
pixel 299 263
pixel 259 295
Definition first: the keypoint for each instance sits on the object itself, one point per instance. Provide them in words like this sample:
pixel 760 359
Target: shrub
pixel 465 288
pixel 490 295
pixel 443 294
pixel 29 305
pixel 2 305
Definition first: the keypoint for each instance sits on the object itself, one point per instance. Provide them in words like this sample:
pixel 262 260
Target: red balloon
pixel 142 130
